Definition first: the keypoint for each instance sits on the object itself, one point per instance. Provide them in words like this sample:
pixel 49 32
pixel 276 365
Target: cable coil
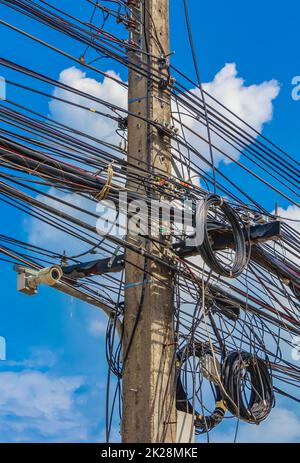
pixel 206 249
pixel 202 423
pixel 236 367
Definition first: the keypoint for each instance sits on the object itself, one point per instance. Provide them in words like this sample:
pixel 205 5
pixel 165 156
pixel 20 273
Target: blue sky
pixel 56 344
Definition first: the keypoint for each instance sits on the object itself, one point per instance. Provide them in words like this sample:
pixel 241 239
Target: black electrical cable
pixel 191 40
pixel 206 249
pixel 235 369
pixel 202 423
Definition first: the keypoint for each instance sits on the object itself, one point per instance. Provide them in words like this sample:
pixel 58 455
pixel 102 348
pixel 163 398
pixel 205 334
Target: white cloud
pixel 292 214
pixel 80 119
pixel 97 327
pixel 35 404
pixel 282 426
pixel 43 234
pixel 40 358
pixel 253 103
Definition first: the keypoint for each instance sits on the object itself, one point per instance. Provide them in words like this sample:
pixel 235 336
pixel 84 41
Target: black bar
pixel 135 452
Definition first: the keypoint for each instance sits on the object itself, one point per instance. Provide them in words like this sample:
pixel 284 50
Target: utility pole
pixel 149 414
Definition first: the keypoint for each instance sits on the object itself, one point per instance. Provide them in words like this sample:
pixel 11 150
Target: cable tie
pixel 137 283
pixel 105 190
pixel 137 99
pixel 220 404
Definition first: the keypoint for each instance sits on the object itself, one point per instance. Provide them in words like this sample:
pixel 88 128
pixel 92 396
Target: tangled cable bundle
pixel 53 172
pixel 206 249
pixel 234 370
pixel 202 423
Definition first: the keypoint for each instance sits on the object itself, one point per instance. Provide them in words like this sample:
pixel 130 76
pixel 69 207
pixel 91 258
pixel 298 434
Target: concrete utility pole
pixel 149 413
